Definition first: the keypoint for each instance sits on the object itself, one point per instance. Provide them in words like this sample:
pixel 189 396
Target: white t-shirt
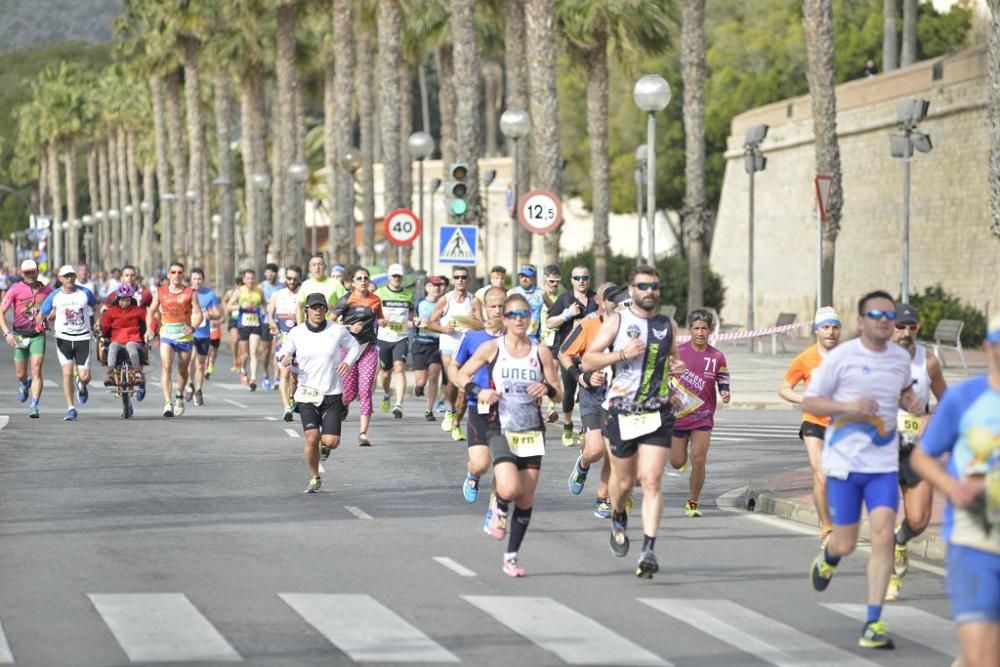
pixel 73 311
pixel 851 371
pixel 319 353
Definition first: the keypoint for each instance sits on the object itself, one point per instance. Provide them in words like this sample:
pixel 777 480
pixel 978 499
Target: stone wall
pixel 950 242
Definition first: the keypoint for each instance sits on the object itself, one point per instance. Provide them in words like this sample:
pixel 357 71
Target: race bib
pixel 304 394
pixel 633 426
pixel 398 327
pixel 526 443
pixel 175 331
pixel 908 425
pixel 550 338
pixel 250 320
pixel 483 407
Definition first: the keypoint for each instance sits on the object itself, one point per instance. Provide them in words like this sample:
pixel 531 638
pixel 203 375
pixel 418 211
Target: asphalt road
pixel 189 541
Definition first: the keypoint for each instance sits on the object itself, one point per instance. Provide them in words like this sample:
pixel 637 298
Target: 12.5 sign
pixel 402 226
pixel 539 211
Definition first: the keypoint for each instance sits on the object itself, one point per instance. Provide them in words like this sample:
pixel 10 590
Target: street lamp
pixel 421 146
pixel 640 179
pixel 515 125
pixel 116 236
pixel 753 162
pixel 651 94
pixel 193 223
pixel 146 207
pixel 299 173
pixel 433 185
pixel 909 113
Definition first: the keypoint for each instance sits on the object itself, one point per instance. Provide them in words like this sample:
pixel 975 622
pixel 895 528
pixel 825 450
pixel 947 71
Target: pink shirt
pixel 704 371
pixel 26 301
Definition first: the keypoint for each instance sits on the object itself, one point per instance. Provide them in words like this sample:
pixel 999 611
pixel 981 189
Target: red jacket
pixel 124 325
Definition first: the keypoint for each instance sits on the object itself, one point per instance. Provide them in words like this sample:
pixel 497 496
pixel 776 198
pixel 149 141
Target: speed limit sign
pixel 539 211
pixel 402 226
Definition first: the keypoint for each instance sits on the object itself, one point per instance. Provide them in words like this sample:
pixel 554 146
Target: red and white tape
pixel 742 335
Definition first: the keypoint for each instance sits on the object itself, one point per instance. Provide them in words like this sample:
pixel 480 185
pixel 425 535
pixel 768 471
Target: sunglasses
pixel 553 281
pixel 646 287
pixel 363 279
pixel 317 306
pixel 460 277
pixel 517 314
pixel 177 273
pixel 879 314
pixel 903 327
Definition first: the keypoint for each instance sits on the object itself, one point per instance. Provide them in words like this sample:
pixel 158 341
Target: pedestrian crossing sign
pixel 457 244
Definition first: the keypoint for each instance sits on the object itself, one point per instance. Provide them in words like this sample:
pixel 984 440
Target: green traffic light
pixel 459 207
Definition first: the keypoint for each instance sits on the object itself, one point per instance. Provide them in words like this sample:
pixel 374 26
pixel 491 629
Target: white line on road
pixel 4 420
pixel 236 403
pixel 271 419
pixel 162 627
pixel 6 657
pixel 758 635
pixel 365 629
pixel 915 624
pixel 570 635
pixel 50 383
pixel 292 433
pixel 454 566
pixel 358 512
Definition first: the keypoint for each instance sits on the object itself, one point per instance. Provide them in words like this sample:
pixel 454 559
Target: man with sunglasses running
pixel 569 308
pixel 179 311
pixel 640 345
pixel 861 385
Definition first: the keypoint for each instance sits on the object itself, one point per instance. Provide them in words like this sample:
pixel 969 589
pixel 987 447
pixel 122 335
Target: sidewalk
pixel 789 496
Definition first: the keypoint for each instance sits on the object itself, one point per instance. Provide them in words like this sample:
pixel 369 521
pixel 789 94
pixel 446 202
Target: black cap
pixel 316 299
pixel 907 314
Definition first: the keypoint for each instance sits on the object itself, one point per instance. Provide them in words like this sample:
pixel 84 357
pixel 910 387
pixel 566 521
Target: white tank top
pixel 286 307
pixel 918 369
pixel 511 378
pixel 453 308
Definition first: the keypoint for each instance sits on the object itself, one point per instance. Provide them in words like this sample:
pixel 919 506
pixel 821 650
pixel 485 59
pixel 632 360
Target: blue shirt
pixel 424 310
pixel 967 425
pixel 267 289
pixel 207 299
pixel 470 343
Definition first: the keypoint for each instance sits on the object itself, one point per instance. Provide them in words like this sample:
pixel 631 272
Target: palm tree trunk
pixel 446 105
pixel 175 137
pixel 597 130
pixel 137 251
pixel 492 93
pixel 162 171
pixel 908 51
pixel 299 189
pixel 366 113
pixel 196 147
pixel 275 248
pixel 124 228
pixel 43 180
pixel 150 256
pixel 693 69
pixel 113 214
pixel 890 12
pixel 342 229
pixel 93 191
pixel 285 128
pixel 57 251
pixel 465 55
pixel 73 234
pixel 104 180
pixel 547 165
pixel 389 62
pixel 257 224
pixel 817 21
pixel 516 65
pixel 226 252
pixel 405 159
pixel 993 105
pixel 425 102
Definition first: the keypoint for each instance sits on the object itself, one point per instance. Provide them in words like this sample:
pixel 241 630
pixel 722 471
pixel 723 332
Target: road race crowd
pixel 878 421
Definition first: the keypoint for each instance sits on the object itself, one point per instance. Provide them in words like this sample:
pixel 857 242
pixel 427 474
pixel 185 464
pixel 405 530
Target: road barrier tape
pixel 742 335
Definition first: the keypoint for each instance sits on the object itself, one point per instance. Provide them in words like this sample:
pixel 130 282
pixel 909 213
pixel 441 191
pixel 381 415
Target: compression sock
pixel 648 542
pixel 503 504
pixel 874 613
pixel 518 527
pixel 619 517
pixel 904 533
pixel 830 559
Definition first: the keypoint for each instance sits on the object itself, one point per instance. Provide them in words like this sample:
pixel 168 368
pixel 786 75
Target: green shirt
pixel 397 308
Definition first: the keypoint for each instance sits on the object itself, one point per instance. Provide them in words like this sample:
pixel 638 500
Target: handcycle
pixel 126 378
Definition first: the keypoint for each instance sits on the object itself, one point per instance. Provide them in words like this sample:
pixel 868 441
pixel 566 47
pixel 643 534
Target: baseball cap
pixel 316 299
pixel 993 330
pixel 29 265
pixel 66 270
pixel 337 268
pixel 436 280
pixel 906 314
pixel 826 315
pixel 396 270
pixel 622 296
pixel 527 270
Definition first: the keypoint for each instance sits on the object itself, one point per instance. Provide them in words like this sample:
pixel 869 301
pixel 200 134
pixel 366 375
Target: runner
pixel 966 426
pixel 527 287
pixel 705 369
pixel 394 337
pixel 203 343
pixel 180 314
pixel 72 308
pixel 324 352
pixel 124 326
pixel 928 378
pixel 567 310
pixel 83 278
pixel 27 333
pixel 233 332
pixel 862 384
pixel 826 325
pixel 461 304
pixel 360 310
pixel 426 348
pixel 282 309
pixel 129 276
pixel 265 348
pixel 641 346
pixel 247 302
pixel 498 278
pixel 521 372
pixel 332 288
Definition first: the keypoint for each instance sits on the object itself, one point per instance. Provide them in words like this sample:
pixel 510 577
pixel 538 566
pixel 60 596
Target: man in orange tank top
pixel 180 314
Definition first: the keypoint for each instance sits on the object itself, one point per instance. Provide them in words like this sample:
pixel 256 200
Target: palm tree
pixel 908 50
pixel 993 103
pixel 338 114
pixel 366 114
pixel 226 212
pixel 516 65
pixel 889 37
pixel 817 21
pixel 175 137
pixel 466 79
pixel 446 103
pixel 389 23
pixel 284 139
pixel 694 70
pixel 104 185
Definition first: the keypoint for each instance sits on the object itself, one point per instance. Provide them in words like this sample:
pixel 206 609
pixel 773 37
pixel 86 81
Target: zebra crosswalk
pixel 748 432
pixel 168 627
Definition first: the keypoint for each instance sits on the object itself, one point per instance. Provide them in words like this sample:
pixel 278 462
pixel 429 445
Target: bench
pixel 949 334
pixel 784 319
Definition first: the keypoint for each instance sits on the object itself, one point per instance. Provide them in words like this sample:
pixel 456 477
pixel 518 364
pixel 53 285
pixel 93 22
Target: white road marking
pixel 271 419
pixel 162 627
pixel 292 433
pixel 358 512
pixel 758 635
pixel 454 566
pixel 366 630
pixel 50 383
pixel 571 636
pixel 716 438
pixel 322 470
pixel 915 624
pixel 236 403
pixel 4 420
pixel 6 657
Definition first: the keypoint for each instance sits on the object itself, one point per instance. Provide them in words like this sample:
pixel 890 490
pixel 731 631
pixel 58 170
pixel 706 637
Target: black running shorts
pixel 624 449
pixel 73 352
pixel 810 430
pixel 480 427
pixel 390 353
pixel 326 417
pixel 908 477
pixel 265 333
pixel 246 332
pixel 500 451
pixel 425 354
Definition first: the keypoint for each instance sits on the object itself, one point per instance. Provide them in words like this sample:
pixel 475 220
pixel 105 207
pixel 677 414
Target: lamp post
pixel 433 185
pixel 88 236
pixel 261 185
pixel 640 179
pixel 515 125
pixel 128 235
pixel 299 173
pixel 351 161
pixel 909 113
pixel 116 237
pixel 167 239
pixel 225 259
pixel 421 146
pixel 651 94
pixel 100 222
pixel 194 229
pixel 146 207
pixel 753 162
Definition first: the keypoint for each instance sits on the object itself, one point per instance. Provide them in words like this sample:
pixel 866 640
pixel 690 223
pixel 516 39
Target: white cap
pixel 826 315
pixel 29 265
pixel 67 269
pixel 396 270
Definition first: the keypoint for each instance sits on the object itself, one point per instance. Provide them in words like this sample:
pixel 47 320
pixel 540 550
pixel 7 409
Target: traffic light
pixel 457 190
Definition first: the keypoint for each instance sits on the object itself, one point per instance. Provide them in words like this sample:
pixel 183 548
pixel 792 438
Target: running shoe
pixel 384 405
pixel 470 489
pixel 33 410
pixel 619 539
pixel 178 405
pixel 602 508
pixel 418 391
pixel 552 416
pixel 429 416
pixel 498 523
pixel 199 398
pixel 22 391
pixel 70 415
pixel 821 573
pixel 82 393
pixel 209 370
pixel 876 635
pixel 448 422
pixel 266 383
pixel 397 411
pixel 363 440
pixel 578 477
pixel 568 436
pixel 510 566
pixel 288 416
pixel 457 434
pixel 253 384
pixel 894 588
pixel 324 452
pixel 900 561
pixel 647 565
pixel 314 484
pixel 684 468
pixel 140 392
pixel 439 407
pixel 168 409
pixel 691 509
pixel 188 393
pixel 244 379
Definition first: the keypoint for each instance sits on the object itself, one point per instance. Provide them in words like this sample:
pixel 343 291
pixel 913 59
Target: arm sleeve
pixel 47 305
pixel 942 431
pixel 8 298
pixel 106 323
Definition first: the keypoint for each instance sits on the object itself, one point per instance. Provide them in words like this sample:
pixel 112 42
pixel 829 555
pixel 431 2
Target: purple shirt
pixel 26 301
pixel 704 371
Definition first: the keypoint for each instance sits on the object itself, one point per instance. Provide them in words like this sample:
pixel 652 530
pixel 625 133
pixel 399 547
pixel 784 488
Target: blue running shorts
pixel 875 489
pixel 973 584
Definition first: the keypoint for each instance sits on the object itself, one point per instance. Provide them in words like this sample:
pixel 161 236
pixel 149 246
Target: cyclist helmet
pixel 125 292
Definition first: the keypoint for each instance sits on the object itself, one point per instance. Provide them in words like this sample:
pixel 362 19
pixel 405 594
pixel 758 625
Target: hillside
pixel 25 23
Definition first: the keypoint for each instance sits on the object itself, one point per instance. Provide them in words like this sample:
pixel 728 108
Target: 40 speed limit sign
pixel 539 211
pixel 402 226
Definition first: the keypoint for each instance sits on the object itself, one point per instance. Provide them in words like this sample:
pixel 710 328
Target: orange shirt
pixel 581 336
pixel 800 370
pixel 176 308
